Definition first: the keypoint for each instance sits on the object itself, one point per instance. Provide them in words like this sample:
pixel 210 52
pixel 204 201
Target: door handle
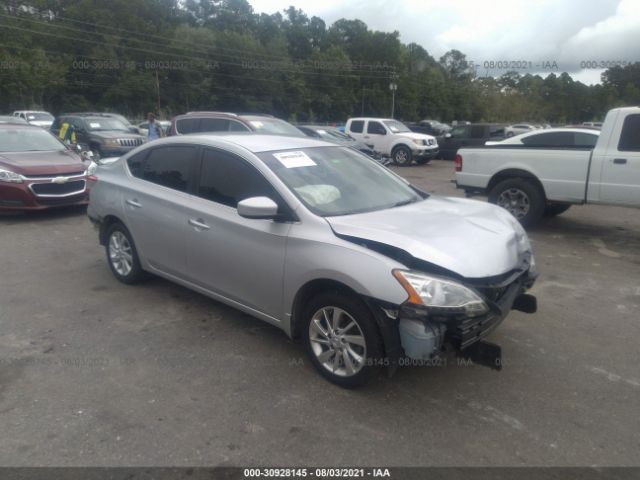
pixel 199 224
pixel 619 161
pixel 134 203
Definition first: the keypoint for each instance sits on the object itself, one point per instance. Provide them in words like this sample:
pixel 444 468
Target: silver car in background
pixel 319 240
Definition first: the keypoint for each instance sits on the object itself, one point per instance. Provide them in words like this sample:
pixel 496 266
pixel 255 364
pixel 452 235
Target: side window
pixel 476 131
pixel 376 128
pixel 237 127
pixel 187 125
pixel 585 140
pixel 136 164
pixel 458 132
pixel 552 139
pixel 228 179
pixel 170 166
pixel 213 125
pixel 357 126
pixel 630 135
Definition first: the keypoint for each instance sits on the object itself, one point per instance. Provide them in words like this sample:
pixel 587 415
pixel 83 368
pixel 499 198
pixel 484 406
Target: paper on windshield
pixel 294 159
pixel 257 124
pixel 94 125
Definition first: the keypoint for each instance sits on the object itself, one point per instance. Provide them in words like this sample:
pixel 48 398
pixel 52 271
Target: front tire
pixel 402 156
pixel 521 198
pixel 122 255
pixel 342 339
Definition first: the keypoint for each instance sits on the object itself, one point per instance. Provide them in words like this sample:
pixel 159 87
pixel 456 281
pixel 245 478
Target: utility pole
pixel 158 91
pixel 393 87
pixel 362 111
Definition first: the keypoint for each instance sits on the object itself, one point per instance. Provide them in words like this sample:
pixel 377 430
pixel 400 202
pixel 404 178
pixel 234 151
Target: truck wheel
pixel 553 209
pixel 402 156
pixel 342 338
pixel 521 198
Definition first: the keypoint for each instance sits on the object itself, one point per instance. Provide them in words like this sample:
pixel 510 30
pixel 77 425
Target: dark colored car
pixel 103 134
pixel 37 171
pixel 132 128
pixel 474 134
pixel 200 122
pixel 429 127
pixel 333 135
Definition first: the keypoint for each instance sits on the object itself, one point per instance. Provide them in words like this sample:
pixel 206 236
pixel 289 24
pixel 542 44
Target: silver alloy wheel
pixel 401 157
pixel 337 341
pixel 515 201
pixel 120 253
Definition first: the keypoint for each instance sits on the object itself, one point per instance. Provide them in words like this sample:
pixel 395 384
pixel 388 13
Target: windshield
pixel 29 139
pixel 39 116
pixel 338 181
pixel 103 123
pixel 396 127
pixel 274 126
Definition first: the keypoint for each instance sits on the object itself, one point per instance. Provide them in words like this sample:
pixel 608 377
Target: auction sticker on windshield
pixel 294 159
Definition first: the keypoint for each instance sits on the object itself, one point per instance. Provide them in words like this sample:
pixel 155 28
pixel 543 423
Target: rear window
pixel 630 136
pixel 357 126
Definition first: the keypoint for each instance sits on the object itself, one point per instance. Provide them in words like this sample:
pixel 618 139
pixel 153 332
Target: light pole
pixel 393 87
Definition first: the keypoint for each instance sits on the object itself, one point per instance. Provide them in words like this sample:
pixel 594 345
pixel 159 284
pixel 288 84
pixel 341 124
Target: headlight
pixel 417 141
pixel 111 142
pixel 441 295
pixel 10 177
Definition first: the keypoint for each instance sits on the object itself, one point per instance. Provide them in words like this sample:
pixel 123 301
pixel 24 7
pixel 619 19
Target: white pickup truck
pixel 544 172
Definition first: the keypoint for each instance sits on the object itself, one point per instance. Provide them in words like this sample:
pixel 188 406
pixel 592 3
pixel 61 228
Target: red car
pixel 38 171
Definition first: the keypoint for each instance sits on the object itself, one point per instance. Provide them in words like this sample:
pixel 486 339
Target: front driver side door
pixel 238 258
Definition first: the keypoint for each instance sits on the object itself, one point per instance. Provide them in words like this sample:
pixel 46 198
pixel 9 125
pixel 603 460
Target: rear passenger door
pixel 356 130
pixel 154 204
pixel 238 258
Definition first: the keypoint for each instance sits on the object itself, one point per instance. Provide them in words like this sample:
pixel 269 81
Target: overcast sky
pixel 567 32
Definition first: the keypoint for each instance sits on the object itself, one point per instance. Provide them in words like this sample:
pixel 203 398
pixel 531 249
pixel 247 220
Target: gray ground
pixel 93 372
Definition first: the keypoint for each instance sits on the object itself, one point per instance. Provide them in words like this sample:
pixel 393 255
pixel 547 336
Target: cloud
pixel 537 32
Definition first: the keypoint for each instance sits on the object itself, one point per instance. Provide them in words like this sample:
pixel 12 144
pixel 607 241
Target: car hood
pixel 42 163
pixel 470 238
pixel 416 136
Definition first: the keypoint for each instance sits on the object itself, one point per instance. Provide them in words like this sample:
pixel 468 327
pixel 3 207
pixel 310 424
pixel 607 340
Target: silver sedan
pixel 319 240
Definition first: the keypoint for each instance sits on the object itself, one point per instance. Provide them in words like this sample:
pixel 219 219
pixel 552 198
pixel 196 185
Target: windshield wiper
pixel 404 202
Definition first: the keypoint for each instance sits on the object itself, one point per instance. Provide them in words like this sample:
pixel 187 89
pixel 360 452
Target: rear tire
pixel 122 255
pixel 342 339
pixel 402 156
pixel 520 197
pixel 553 209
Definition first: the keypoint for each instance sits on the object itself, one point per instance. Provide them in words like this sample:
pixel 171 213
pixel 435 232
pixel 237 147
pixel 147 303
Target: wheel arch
pixel 105 224
pixel 515 173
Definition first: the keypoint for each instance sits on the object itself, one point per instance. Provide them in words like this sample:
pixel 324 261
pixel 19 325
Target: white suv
pixel 393 139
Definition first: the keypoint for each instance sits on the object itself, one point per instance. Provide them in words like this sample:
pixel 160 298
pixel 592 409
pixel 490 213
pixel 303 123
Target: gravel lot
pixel 93 372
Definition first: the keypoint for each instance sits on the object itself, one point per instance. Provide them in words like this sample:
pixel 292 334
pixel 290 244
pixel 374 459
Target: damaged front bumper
pixel 423 335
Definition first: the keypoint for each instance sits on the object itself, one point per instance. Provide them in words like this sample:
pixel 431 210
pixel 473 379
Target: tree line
pixel 172 56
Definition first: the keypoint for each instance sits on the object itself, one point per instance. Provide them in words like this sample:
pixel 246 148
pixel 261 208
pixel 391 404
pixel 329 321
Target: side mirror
pixel 447 135
pixel 257 207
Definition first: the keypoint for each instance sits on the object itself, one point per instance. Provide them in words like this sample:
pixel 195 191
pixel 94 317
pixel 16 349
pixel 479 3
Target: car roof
pixel 552 130
pixel 379 119
pixel 13 126
pixel 249 141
